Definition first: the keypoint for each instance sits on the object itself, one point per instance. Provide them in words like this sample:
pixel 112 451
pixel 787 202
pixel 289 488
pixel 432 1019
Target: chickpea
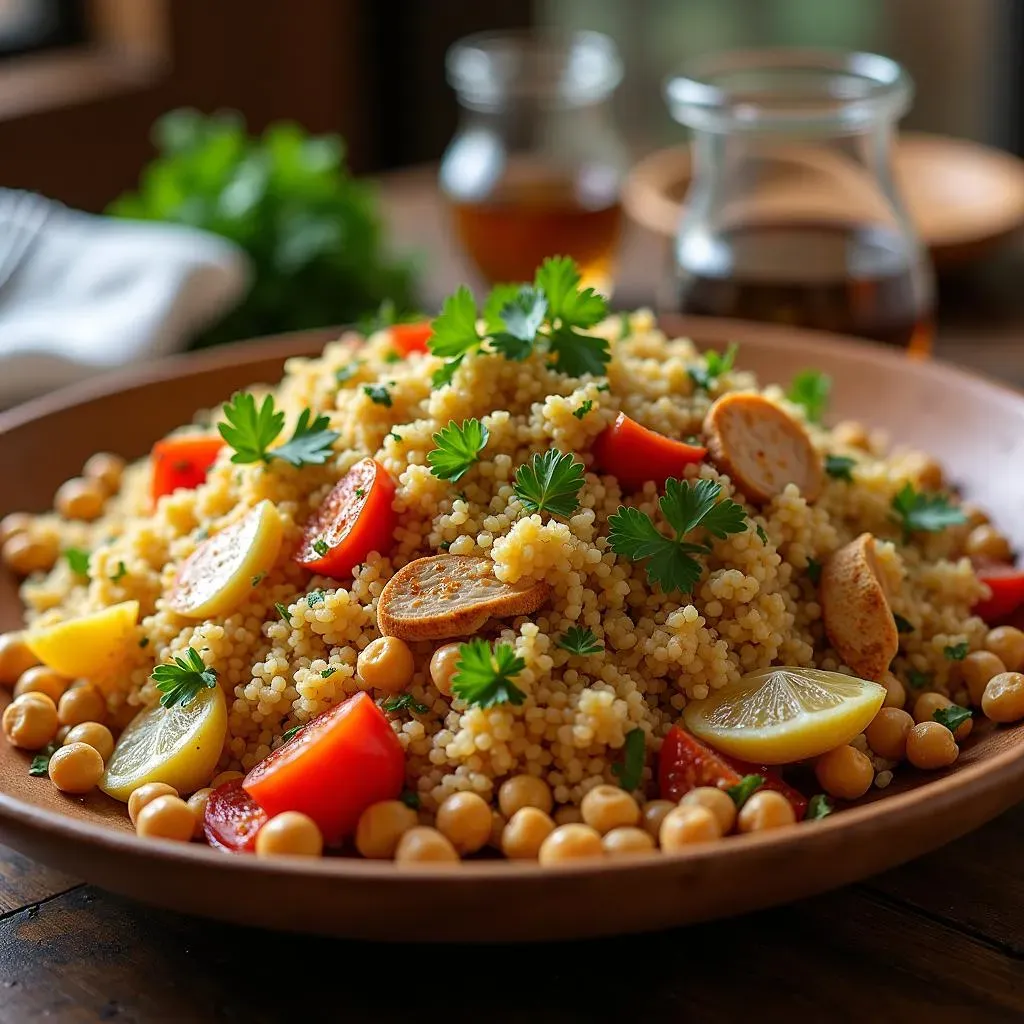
pixel 523 836
pixel 976 670
pixel 224 778
pixel 524 791
pixel 106 469
pixel 895 692
pixel 844 772
pixel 26 553
pixel 717 801
pixel 380 828
pixel 197 805
pixel 887 733
pixel 986 543
pixel 386 664
pixel 627 840
pixel 30 721
pixel 767 809
pixel 145 795
pixel 1007 644
pixel 290 834
pixel 570 842
pixel 76 768
pixel 168 817
pixel 931 745
pixel 421 844
pixel 442 667
pixel 1003 700
pixel 654 814
pixel 928 474
pixel 13 523
pixel 568 814
pixel 607 807
pixel 82 704
pixel 96 735
pixel 15 658
pixel 80 499
pixel 927 704
pixel 40 679
pixel 464 819
pixel 684 826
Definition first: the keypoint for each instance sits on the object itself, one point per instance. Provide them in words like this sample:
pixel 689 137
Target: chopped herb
pixel 761 535
pixel 40 766
pixel 580 641
pixel 957 652
pixel 929 513
pixel 404 700
pixel 391 356
pixel 396 436
pixel 818 807
pixel 345 373
pixel 840 467
pixel 810 389
pixel 583 409
pixel 315 597
pixel 903 625
pixel 745 789
pixel 626 327
pixel 327 673
pixel 951 717
pixel 282 610
pixel 445 545
pixel 686 506
pixel 485 677
pixel 78 560
pixel 454 333
pixel 445 374
pixel 289 733
pixel 410 799
pixel 630 770
pixel 251 431
pixel 360 492
pixel 320 546
pixel 814 568
pixel 202 533
pixel 918 680
pixel 258 579
pixel 144 642
pixel 570 309
pixel 550 483
pixel 716 364
pixel 604 387
pixel 181 681
pixel 378 394
pixel 310 444
pixel 458 448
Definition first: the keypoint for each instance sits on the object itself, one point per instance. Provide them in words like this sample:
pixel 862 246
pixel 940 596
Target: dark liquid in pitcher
pixel 830 277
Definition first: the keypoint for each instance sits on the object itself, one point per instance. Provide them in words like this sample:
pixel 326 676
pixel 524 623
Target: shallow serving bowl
pixel 974 427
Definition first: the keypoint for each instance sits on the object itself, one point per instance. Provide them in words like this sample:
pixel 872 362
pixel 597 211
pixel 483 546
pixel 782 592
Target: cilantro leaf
pixel 249 429
pixel 745 789
pixel 810 389
pixel 814 568
pixel 818 807
pixel 918 680
pixel 584 408
pixel 457 449
pixel 715 365
pixel 582 642
pixel 78 560
pixel 485 677
pixel 378 394
pixel 404 700
pixel 951 717
pixel 630 770
pixel 903 625
pixel 840 467
pixel 454 329
pixel 957 652
pixel 310 444
pixel 182 681
pixel 928 513
pixel 550 483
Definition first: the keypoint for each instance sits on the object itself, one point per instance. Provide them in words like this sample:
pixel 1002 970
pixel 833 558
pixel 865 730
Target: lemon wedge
pixel 179 745
pixel 89 646
pixel 781 715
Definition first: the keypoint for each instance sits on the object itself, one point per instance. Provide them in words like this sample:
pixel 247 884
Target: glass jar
pixel 536 164
pixel 793 214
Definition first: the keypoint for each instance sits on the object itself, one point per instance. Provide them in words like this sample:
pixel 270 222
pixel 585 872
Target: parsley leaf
pixel 282 610
pixel 78 559
pixel 814 568
pixel 289 733
pixel 345 373
pixel 40 766
pixel 550 483
pixel 327 672
pixel 404 700
pixel 320 546
pixel 378 394
pixel 457 449
pixel 182 681
pixel 903 625
pixel 521 318
pixel 501 295
pixel 122 571
pixel 315 597
pixel 918 680
pixel 929 513
pixel 840 467
pixel 715 365
pixel 818 807
pixel 485 677
pixel 569 309
pixel 454 330
pixel 584 408
pixel 810 389
pixel 250 429
pixel 580 641
pixel 310 444
pixel 686 506
pixel 761 535
pixel 951 717
pixel 630 770
pixel 745 789
pixel 957 652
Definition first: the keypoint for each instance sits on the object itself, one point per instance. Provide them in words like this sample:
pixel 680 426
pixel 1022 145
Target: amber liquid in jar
pixel 828 277
pixel 509 234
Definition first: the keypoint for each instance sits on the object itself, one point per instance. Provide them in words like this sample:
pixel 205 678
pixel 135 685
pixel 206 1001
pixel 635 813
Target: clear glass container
pixel 793 214
pixel 536 164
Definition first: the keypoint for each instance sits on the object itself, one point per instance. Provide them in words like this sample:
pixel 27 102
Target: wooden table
pixel 941 939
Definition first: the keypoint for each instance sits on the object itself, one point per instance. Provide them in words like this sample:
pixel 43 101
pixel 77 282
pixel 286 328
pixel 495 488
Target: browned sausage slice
pixel 761 447
pixel 451 595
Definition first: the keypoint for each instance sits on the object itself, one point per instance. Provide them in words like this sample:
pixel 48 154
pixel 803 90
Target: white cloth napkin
pixel 95 293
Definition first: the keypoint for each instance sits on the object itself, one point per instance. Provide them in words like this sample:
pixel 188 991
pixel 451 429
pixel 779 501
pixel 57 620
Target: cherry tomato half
pixel 182 462
pixel 1007 585
pixel 232 818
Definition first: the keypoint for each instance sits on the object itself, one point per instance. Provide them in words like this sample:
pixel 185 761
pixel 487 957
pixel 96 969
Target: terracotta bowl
pixel 975 427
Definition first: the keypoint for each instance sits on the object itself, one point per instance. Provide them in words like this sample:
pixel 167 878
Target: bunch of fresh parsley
pixel 252 429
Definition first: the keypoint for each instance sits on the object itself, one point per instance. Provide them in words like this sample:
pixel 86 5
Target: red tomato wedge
pixel 409 338
pixel 333 768
pixel 353 520
pixel 1007 585
pixel 182 462
pixel 233 818
pixel 633 454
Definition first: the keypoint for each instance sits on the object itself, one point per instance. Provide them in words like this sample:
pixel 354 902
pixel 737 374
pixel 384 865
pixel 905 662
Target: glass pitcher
pixel 536 164
pixel 793 215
